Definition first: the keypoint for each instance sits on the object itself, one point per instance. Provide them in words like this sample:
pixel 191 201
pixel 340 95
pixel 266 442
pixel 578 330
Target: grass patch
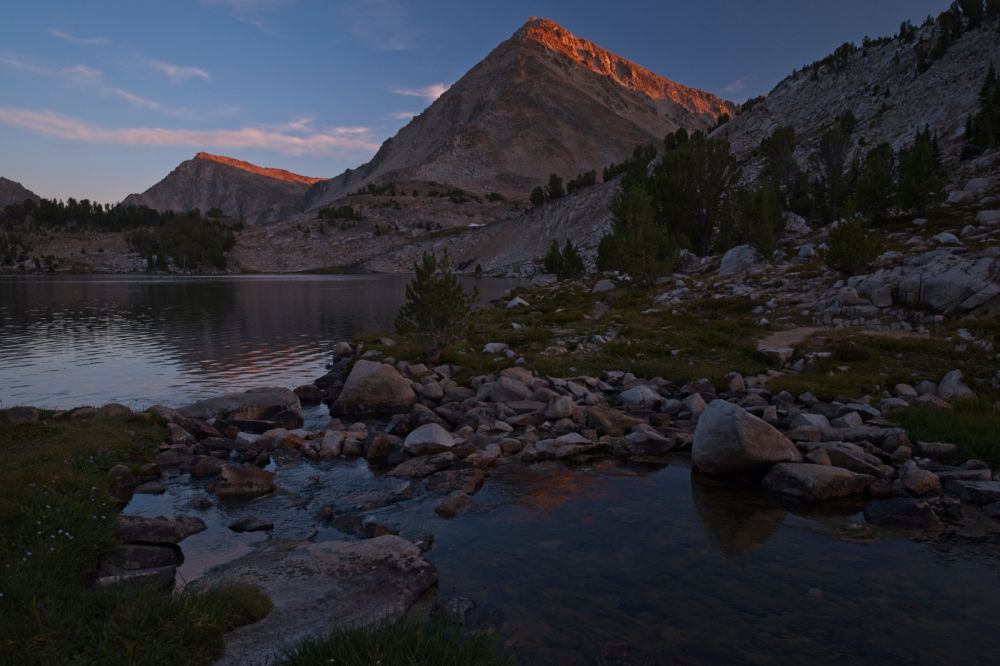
pixel 404 644
pixel 56 521
pixel 705 339
pixel 861 364
pixel 972 425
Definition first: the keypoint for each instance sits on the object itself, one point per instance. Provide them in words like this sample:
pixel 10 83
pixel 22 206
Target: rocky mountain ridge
pixel 542 102
pixel 12 192
pixel 241 190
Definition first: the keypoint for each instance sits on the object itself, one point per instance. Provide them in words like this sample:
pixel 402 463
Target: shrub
pixel 850 248
pixel 437 307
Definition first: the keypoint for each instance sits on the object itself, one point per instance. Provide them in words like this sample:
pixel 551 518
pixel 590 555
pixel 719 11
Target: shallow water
pixel 71 340
pixel 567 565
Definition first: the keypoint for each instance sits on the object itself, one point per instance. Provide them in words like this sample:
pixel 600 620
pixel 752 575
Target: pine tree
pixel 555 188
pixel 437 307
pixel 876 183
pixel 921 176
pixel 553 261
pixel 637 245
pixel 537 197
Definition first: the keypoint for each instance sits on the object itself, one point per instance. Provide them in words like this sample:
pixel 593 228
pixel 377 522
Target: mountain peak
pixel 622 71
pixel 275 174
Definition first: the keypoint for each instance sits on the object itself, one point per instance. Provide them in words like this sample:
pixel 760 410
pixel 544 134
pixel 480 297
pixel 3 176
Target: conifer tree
pixel 437 307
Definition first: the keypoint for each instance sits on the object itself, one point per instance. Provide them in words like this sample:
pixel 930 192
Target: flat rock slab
pixel 266 404
pixel 319 587
pixel 806 482
pixel 158 530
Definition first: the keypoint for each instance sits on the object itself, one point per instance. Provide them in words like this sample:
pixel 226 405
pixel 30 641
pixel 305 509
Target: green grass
pixel 972 425
pixel 862 364
pixel 56 521
pixel 706 339
pixel 404 644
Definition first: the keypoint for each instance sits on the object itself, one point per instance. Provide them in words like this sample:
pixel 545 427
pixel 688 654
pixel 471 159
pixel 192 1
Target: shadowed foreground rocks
pixel 319 587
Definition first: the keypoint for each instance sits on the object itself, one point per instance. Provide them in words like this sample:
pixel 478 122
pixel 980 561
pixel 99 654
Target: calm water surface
pixel 67 341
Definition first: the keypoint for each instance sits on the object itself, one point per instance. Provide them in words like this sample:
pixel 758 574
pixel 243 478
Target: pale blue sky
pixel 101 98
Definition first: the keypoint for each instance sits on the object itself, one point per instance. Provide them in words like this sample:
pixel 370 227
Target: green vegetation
pixel 437 307
pixel 637 245
pixel 404 644
pixel 13 249
pixel 867 364
pixel 340 213
pixel 74 215
pixel 921 176
pixel 983 130
pixel 971 424
pixel 564 262
pixel 189 242
pixel 56 521
pixel 850 248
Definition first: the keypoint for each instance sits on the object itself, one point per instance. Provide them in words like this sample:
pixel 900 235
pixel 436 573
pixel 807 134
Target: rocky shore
pixel 439 432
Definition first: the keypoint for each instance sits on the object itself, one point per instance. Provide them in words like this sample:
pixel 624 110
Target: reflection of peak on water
pixel 736 516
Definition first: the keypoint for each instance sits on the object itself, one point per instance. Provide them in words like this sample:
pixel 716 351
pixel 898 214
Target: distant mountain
pixel 240 189
pixel 14 193
pixel 544 101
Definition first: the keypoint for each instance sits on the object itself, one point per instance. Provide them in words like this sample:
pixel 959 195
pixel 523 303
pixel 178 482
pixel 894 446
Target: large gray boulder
pixel 280 405
pixel 952 387
pixel 806 482
pixel 739 260
pixel 374 389
pixel 319 587
pixel 730 440
pixel 428 439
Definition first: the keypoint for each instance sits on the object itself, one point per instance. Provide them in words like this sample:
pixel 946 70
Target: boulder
pixel 903 513
pixel 121 482
pixel 244 481
pixel 454 504
pixel 158 530
pixel 730 440
pixel 975 492
pixel 309 394
pixel 562 407
pixel 602 286
pixel 319 587
pixel 952 387
pixel 251 524
pixel 639 398
pixel 428 439
pixel 374 389
pixel 810 483
pixel 422 466
pixel 919 481
pixel 738 261
pixel 278 405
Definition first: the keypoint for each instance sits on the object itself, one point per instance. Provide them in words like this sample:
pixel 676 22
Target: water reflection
pixel 734 514
pixel 70 340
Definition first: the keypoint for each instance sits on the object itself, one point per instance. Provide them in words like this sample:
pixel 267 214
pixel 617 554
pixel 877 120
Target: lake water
pixel 67 341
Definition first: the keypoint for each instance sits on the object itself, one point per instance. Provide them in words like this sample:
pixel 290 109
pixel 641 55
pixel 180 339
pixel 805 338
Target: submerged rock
pixel 806 482
pixel 730 440
pixel 319 587
pixel 244 481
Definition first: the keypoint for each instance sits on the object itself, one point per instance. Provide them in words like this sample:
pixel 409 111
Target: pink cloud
pixel 332 141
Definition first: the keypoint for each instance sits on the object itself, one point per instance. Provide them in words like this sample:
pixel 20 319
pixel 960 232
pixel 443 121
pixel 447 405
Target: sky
pixel 101 98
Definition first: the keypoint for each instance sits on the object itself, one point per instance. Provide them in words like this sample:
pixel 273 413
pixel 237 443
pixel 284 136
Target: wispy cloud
pixel 381 24
pixel 345 141
pixel 430 93
pixel 248 11
pixel 178 72
pixel 402 115
pixel 23 65
pixel 74 39
pixel 82 75
pixel 738 87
